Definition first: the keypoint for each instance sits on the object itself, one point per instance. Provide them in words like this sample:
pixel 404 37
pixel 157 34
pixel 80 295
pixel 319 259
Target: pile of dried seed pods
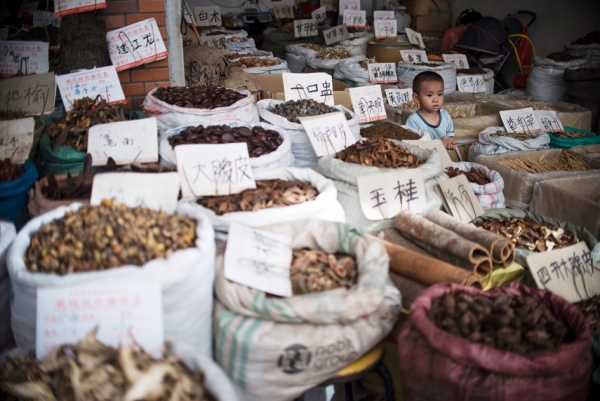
pixel 10 172
pixel 565 162
pixel 379 152
pixel 268 194
pixel 303 108
pixel 316 271
pixel 199 97
pixel 251 62
pixel 388 130
pixel 518 324
pixel 337 53
pixel 591 310
pixel 107 236
pixel 527 234
pixel 89 370
pixel 473 175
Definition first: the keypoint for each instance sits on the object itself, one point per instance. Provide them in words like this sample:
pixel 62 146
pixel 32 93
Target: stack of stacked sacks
pixel 495 140
pixel 545 81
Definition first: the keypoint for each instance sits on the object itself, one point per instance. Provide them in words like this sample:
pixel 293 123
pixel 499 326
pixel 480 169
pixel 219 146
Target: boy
pixel 428 91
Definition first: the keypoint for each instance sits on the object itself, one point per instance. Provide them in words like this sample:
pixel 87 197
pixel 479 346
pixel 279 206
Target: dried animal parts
pixel 379 152
pixel 473 175
pixel 107 236
pixel 312 46
pixel 562 56
pixel 518 324
pixel 199 97
pixel 268 194
pixel 591 310
pixel 527 234
pixel 303 108
pixel 566 162
pixel 91 371
pixel 250 62
pixel 72 129
pixel 337 53
pixel 259 140
pixel 10 172
pixel 316 271
pixel 514 135
pixel 388 130
pixel 365 63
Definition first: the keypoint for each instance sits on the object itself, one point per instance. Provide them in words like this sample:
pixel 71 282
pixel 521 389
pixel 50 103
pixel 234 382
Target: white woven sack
pixel 546 83
pixel 488 80
pixel 592 51
pixel 408 72
pixel 274 69
pixel 295 55
pixel 314 62
pixel 304 155
pixel 282 157
pixel 490 195
pixel 425 136
pixel 357 43
pixel 350 69
pixel 169 116
pixel 237 46
pixel 7 235
pixel 495 145
pixel 185 277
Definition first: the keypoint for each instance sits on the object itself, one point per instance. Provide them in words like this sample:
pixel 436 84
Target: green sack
pixel 60 160
pixel 567 143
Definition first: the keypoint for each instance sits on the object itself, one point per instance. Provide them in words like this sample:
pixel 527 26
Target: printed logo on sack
pixel 294 359
pixel 297 358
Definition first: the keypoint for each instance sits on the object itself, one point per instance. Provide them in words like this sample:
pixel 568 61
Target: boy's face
pixel 430 96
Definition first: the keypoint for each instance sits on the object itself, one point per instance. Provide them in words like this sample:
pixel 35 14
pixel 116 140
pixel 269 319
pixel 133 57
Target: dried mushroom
pixel 379 152
pixel 473 175
pixel 316 271
pixel 337 53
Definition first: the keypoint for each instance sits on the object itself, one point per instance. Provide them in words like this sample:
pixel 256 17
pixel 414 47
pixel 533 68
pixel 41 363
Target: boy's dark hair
pixel 426 76
pixel 469 16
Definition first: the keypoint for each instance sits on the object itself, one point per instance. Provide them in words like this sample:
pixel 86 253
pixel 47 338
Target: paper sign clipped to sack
pixel 329 133
pixel 135 45
pixel 66 7
pixel 382 73
pixel 319 14
pixel 384 14
pixel 355 18
pixel 386 29
pixel 126 142
pixel 217 42
pixel 305 27
pixel 471 83
pixel 570 272
pixel 521 120
pixel 23 56
pixel 32 94
pixel 349 5
pixel 157 191
pixel 336 34
pixel 414 38
pixel 210 170
pixel 460 198
pixel 90 83
pixel 122 312
pixel 16 139
pixel 317 86
pixel 259 259
pixel 283 11
pixel 459 60
pixel 45 18
pixel 435 145
pixel 383 196
pixel 548 120
pixel 397 97
pixel 208 16
pixel 367 102
pixel 414 56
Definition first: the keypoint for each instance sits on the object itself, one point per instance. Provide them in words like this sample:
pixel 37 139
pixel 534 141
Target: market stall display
pixel 572 137
pixel 495 140
pixel 487 185
pixel 261 65
pixel 354 71
pixel 277 39
pixel 488 76
pixel 328 58
pixel 53 191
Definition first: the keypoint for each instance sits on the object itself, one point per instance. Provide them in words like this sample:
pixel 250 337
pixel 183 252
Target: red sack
pixel 437 365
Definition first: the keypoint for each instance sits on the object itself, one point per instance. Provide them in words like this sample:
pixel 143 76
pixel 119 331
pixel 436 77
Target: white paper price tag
pixel 126 142
pixel 355 18
pixel 367 102
pixel 330 5
pixel 336 34
pixel 99 81
pixel 548 121
pixel 45 18
pixel 383 196
pixel 319 14
pixel 259 259
pixel 16 139
pixel 305 27
pixel 349 5
pixel 157 191
pixel 520 120
pixel 123 313
pixel 382 73
pixel 414 38
pixel 31 94
pixel 136 44
pixel 386 28
pixel 208 16
pixel 435 145
pixel 28 8
pixel 66 7
pixel 459 60
pixel 218 42
pixel 414 56
pixel 460 199
pixel 570 272
pixel 210 170
pixel 385 14
pixel 397 97
pixel 283 11
pixel 317 86
pixel 329 133
pixel 27 57
pixel 470 83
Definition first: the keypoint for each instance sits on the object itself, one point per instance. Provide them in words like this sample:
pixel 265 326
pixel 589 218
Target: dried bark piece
pixel 316 271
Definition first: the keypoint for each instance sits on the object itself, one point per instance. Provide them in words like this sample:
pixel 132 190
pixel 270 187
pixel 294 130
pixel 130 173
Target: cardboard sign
pixel 470 83
pixel 336 34
pixel 283 11
pixel 386 28
pixel 459 199
pixel 459 60
pixel 208 16
pixel 548 121
pixel 367 102
pixel 383 15
pixel 349 5
pixel 135 45
pixel 28 8
pixel 435 145
pixel 329 133
pixel 319 14
pixel 397 97
pixel 570 272
pixel 521 120
pixel 317 86
pixel 45 18
pixel 26 57
pixel 157 191
pixel 414 38
pixel 218 42
pixel 330 5
pixel 99 81
pixel 383 196
pixel 16 139
pixel 355 18
pixel 123 313
pixel 126 142
pixel 259 259
pixel 211 170
pixel 66 7
pixel 414 56
pixel 305 27
pixel 382 73
pixel 31 94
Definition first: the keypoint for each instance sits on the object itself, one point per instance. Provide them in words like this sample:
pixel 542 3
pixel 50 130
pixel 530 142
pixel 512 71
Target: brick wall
pixel 138 81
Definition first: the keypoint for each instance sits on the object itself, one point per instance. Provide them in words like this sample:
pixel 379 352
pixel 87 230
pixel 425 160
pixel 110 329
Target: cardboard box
pixel 430 24
pixel 433 8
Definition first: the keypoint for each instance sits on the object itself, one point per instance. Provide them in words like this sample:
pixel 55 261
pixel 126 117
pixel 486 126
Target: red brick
pixel 160 63
pixel 127 105
pixel 151 85
pixel 163 33
pixel 151 6
pixel 121 7
pixel 133 18
pixel 158 74
pixel 137 102
pixel 133 89
pixel 124 77
pixel 114 22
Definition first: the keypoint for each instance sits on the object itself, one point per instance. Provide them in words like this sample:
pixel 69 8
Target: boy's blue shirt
pixel 443 129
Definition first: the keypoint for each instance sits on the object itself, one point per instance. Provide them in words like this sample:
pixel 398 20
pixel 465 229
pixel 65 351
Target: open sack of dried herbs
pixel 269 147
pixel 395 131
pixel 261 65
pixel 353 70
pixel 284 194
pixel 487 185
pixel 374 156
pixel 112 243
pixel 330 57
pixel 284 115
pixel 295 55
pixel 272 337
pixel 91 370
pixel 495 140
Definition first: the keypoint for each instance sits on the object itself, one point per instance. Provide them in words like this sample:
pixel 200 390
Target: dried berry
pixel 379 152
pixel 316 271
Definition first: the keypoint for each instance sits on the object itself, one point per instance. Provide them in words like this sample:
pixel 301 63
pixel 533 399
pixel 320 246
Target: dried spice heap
pixel 268 194
pixel 591 310
pixel 589 39
pixel 562 56
pixel 286 27
pixel 316 271
pixel 89 370
pixel 337 53
pixel 198 97
pixel 312 46
pixel 107 236
pixel 10 172
pixel 388 130
pixel 379 152
pixel 365 63
pixel 572 134
pixel 471 71
pixel 304 108
pixel 72 129
pixel 527 234
pixel 538 106
pixel 514 135
pixel 251 62
pixel 566 162
pixel 259 140
pixel 518 324
pixel 473 175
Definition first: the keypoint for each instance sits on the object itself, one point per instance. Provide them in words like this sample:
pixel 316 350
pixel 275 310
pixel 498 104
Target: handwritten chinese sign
pixel 31 94
pixel 208 16
pixel 24 57
pixel 305 27
pixel 459 199
pixel 135 45
pixel 218 42
pixel 319 14
pixel 397 97
pixel 66 7
pixel 436 145
pixel 336 34
pixel 16 139
pixel 45 18
pixel 470 83
pixel 414 56
pixel 414 38
pixel 459 60
pixel 355 18
pixel 382 73
pixel 283 11
pixel 329 133
pixel 330 5
pixel 548 121
pixel 384 15
pixel 367 102
pixel 316 86
pixel 349 5
pixel 386 28
pixel 99 81
pixel 520 120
